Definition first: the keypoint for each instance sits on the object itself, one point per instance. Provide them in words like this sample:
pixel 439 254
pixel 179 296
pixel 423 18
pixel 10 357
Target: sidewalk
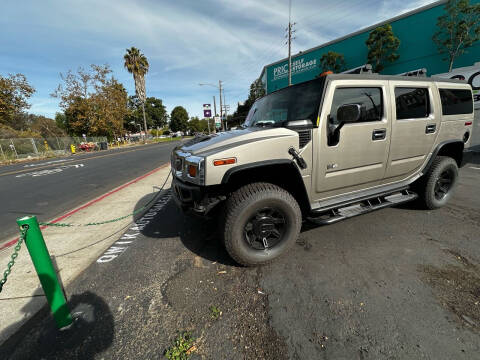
pixel 73 248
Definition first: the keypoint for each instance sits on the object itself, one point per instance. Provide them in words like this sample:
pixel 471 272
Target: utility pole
pixel 289 41
pixel 214 113
pixel 225 108
pixel 219 87
pixel 214 106
pixel 221 111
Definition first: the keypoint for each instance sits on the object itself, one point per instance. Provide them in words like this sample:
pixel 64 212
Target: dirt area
pixel 242 324
pixel 457 287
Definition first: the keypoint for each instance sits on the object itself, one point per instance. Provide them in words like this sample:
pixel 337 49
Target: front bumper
pixel 195 198
pixel 186 195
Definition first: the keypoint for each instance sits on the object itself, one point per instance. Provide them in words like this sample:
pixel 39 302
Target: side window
pixel 369 98
pixel 412 103
pixel 456 101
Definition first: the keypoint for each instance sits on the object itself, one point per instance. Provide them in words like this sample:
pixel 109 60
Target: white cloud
pixel 186 42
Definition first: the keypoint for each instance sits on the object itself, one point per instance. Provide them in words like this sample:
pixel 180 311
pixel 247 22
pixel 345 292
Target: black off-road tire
pixel 427 190
pixel 245 203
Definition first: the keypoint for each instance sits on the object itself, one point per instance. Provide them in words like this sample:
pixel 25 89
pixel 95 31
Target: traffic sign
pixel 207 113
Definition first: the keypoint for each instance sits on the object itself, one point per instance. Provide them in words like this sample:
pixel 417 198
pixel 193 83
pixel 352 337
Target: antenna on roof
pixel 367 68
pixel 418 72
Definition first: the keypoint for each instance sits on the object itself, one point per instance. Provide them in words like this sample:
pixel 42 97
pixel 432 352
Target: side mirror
pixel 349 113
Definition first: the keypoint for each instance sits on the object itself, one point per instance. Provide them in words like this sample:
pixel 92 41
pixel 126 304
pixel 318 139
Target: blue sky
pixel 186 42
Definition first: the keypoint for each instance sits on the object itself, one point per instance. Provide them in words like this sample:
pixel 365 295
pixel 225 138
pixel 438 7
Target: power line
pixel 248 66
pixel 289 41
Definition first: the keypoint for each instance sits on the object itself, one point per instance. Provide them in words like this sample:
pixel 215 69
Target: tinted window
pixel 370 99
pixel 412 103
pixel 456 101
pixel 297 102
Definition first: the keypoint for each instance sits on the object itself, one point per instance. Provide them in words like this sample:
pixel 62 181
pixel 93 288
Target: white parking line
pixel 45 163
pixel 50 171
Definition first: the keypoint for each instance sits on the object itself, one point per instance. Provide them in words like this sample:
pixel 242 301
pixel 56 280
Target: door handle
pixel 379 134
pixel 430 129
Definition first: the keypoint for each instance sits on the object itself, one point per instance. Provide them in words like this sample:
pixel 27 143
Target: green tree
pixel 61 121
pixel 155 111
pixel 137 64
pixel 44 126
pixel 382 46
pixel 332 61
pixel 179 119
pixel 195 125
pixel 94 102
pixel 458 29
pixel 110 104
pixel 14 94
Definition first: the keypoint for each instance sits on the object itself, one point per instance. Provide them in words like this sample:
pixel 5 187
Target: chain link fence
pixel 19 148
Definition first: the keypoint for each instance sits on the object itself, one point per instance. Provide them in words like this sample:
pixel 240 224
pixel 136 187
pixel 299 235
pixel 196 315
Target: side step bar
pixel 363 207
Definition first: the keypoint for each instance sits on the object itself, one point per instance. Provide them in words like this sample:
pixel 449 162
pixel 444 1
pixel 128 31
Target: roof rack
pixel 418 72
pixel 367 68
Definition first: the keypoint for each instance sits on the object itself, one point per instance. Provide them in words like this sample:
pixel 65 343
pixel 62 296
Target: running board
pixel 363 207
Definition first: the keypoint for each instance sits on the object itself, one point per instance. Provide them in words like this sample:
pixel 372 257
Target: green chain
pixel 95 223
pixel 111 220
pixel 21 239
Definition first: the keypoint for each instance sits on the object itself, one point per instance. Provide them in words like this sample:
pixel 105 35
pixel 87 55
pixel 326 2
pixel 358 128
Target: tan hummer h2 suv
pixel 326 150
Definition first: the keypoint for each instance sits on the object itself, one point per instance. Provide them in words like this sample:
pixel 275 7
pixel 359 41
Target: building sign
pixel 218 123
pixel 299 65
pixel 207 112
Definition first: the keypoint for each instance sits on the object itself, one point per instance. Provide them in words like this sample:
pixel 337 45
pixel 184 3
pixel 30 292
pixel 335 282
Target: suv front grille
pixel 304 137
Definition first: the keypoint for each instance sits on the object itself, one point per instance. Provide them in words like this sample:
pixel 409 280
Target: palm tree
pixel 137 64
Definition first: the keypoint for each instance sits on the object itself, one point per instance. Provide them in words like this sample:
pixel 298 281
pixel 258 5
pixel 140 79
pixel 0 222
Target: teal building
pixel 417 50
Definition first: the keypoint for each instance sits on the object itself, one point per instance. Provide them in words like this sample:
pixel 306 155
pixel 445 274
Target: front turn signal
pixel 192 170
pixel 224 161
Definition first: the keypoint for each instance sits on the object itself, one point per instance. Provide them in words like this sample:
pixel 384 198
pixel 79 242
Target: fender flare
pixel 236 169
pixel 437 150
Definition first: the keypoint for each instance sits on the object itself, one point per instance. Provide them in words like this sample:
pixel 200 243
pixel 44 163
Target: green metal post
pixel 45 270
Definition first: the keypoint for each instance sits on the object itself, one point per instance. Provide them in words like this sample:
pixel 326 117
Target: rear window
pixel 456 101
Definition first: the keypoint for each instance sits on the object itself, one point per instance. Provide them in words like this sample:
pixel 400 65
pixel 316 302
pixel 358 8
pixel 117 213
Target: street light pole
pixel 219 87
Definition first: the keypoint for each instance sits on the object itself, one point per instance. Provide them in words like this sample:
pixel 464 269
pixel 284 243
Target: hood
pixel 215 142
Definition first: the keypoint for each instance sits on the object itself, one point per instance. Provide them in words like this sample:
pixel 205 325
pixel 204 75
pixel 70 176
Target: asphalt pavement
pixel 49 188
pixel 398 283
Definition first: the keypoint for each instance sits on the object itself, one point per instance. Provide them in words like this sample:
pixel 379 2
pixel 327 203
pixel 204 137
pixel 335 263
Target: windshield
pixel 298 102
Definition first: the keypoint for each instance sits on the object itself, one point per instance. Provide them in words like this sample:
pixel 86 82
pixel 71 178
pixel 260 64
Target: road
pixel 51 187
pixel 398 283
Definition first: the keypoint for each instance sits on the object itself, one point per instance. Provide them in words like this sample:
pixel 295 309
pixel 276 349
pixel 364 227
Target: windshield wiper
pixel 264 123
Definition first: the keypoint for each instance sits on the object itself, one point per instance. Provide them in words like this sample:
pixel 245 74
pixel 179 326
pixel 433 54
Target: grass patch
pixel 215 312
pixel 182 347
